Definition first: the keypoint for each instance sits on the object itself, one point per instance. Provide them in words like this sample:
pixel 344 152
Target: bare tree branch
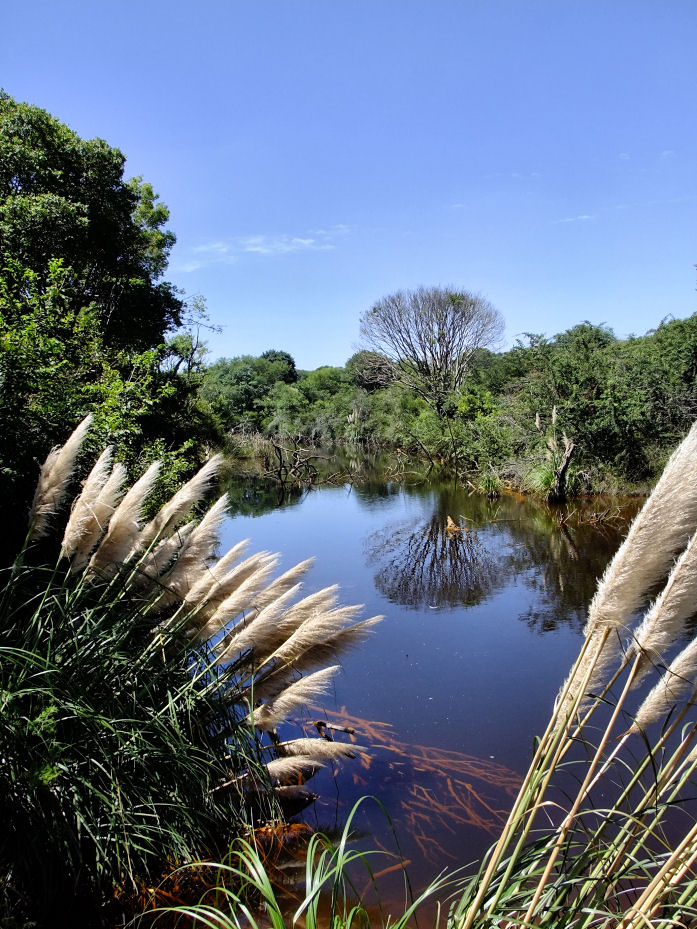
pixel 429 335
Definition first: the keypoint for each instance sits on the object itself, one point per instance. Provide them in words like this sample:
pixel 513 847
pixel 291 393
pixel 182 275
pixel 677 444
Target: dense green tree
pixel 238 389
pixel 64 197
pixel 290 375
pixel 84 312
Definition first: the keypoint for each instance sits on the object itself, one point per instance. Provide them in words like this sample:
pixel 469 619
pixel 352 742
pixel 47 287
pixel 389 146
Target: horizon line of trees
pixel 625 403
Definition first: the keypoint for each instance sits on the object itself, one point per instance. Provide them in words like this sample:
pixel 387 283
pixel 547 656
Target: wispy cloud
pixel 232 250
pixel 581 218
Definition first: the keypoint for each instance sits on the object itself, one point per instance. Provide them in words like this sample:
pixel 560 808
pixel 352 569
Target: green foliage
pixel 246 893
pixel 64 197
pixel 620 401
pixel 83 309
pixel 288 375
pixel 55 366
pixel 107 766
pixel 238 389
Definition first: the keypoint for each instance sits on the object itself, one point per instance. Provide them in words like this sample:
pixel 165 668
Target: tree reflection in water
pixel 557 552
pixel 423 564
pixel 427 565
pixel 560 553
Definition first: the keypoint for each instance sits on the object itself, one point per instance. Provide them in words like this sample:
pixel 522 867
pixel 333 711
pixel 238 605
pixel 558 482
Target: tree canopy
pixel 430 336
pixel 63 197
pixel 84 311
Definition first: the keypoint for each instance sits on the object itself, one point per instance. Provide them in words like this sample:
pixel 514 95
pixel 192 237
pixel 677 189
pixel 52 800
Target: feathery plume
pixel 677 683
pixel 311 607
pixel 252 633
pixel 318 749
pixel 665 619
pixel 196 552
pixel 282 583
pixel 298 769
pixel 174 511
pixel 102 510
pixel 319 628
pixel 661 529
pixel 319 643
pixel 55 473
pixel 209 582
pixel 121 538
pixel 81 513
pixel 156 563
pixel 299 694
pixel 210 596
pixel 235 604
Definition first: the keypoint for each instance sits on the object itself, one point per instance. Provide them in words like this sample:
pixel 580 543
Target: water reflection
pixel 429 565
pixel 558 553
pixel 512 593
pixel 253 494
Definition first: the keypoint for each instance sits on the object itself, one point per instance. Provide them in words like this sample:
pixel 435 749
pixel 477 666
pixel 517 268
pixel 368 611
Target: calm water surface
pixel 479 631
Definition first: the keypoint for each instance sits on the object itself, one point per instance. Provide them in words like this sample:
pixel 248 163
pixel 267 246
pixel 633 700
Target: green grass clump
pixel 139 677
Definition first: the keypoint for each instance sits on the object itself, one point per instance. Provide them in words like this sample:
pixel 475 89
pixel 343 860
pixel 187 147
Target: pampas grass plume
pixel 101 512
pixel 83 508
pixel 319 749
pixel 662 528
pixel 676 684
pixel 666 618
pixel 174 511
pixel 296 695
pixel 54 476
pixel 121 539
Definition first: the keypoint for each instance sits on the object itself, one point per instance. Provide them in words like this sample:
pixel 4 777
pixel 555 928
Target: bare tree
pixel 429 335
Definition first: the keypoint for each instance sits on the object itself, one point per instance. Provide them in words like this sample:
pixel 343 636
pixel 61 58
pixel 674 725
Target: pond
pixel 480 627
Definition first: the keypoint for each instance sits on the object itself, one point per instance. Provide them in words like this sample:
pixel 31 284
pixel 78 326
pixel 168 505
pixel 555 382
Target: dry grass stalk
pixel 83 508
pixel 176 509
pixel 300 693
pixel 121 539
pixel 557 877
pixel 53 481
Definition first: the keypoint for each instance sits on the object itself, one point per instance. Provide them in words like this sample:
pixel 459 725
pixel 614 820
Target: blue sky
pixel 317 155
